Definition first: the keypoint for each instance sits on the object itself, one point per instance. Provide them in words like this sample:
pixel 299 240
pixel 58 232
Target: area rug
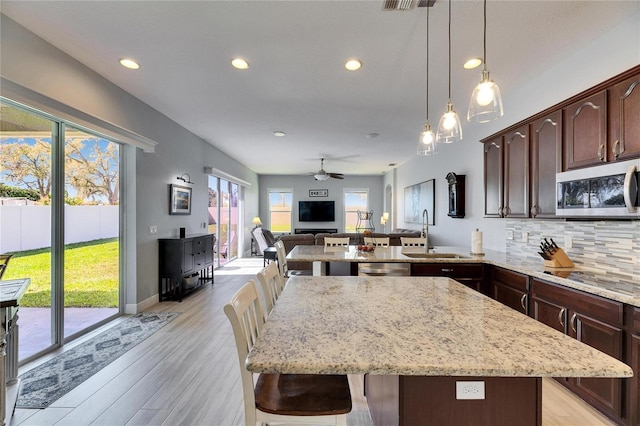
pixel 44 384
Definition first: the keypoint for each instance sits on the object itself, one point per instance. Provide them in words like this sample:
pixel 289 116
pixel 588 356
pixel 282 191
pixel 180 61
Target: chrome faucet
pixel 425 229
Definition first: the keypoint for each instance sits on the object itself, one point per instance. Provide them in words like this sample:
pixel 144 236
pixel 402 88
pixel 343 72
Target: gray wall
pixel 43 76
pixel 301 186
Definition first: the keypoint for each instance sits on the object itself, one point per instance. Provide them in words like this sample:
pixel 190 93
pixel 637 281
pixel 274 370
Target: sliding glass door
pixel 224 218
pixel 60 218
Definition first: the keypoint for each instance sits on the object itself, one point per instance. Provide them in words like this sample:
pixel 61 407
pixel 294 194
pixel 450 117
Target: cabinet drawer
pixel 636 321
pixel 512 279
pixel 451 270
pixel 595 306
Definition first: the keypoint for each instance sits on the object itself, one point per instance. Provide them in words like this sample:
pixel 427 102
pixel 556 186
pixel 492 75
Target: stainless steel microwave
pixel 609 190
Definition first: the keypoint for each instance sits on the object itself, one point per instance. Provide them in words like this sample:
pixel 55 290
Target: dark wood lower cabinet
pixel 595 321
pixel 426 401
pixel 469 274
pixel 510 288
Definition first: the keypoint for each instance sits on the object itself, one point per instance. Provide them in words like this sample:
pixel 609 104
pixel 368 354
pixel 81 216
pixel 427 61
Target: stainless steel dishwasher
pixel 384 269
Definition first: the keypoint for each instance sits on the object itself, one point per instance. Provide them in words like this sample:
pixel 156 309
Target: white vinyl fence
pixel 29 227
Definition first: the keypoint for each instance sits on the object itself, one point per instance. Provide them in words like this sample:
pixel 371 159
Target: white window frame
pixel 345 192
pixel 285 191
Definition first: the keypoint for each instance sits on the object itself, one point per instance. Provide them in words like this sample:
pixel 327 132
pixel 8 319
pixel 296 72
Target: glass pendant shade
pixel 449 127
pixel 486 102
pixel 427 141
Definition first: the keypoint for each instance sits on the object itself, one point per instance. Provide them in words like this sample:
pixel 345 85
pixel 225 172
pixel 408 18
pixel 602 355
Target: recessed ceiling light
pixel 129 63
pixel 353 64
pixel 472 63
pixel 279 133
pixel 240 63
pixel 372 135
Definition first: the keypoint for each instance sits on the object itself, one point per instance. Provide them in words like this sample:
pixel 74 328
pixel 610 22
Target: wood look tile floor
pixel 187 374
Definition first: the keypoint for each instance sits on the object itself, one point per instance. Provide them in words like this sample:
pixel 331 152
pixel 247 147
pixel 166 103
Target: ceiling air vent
pixel 406 4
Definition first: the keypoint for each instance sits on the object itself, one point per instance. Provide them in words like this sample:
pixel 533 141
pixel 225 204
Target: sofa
pixel 292 240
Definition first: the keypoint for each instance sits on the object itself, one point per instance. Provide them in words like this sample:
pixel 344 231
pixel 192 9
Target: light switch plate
pixel 469 390
pixel 568 242
pixel 153 230
pixel 509 234
pixel 525 237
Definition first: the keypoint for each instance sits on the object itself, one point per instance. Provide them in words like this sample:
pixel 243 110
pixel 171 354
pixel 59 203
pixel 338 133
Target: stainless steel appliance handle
pixel 628 180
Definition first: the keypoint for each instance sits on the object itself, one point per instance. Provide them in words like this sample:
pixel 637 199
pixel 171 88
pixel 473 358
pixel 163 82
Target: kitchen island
pixel 417 339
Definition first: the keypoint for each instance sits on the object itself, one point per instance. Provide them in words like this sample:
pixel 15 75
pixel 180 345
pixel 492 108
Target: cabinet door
pixel 187 257
pixel 624 114
pixel 493 178
pixel 549 313
pixel 546 161
pixel 516 173
pixel 586 132
pixel 604 392
pixel 509 296
pixel 208 249
pixel 635 382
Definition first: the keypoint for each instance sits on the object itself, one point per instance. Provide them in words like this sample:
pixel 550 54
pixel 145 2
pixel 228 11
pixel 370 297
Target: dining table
pixel 432 351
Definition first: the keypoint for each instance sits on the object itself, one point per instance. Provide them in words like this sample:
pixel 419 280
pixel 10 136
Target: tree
pixel 91 169
pixel 28 165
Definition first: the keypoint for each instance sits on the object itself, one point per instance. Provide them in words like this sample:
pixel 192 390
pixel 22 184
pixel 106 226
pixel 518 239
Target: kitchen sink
pixel 434 255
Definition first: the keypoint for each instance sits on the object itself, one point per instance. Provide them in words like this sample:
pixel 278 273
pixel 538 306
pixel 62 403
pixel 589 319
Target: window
pixel 354 200
pixel 280 210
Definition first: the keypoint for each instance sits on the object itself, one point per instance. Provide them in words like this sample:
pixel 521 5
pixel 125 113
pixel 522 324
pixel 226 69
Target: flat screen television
pixel 316 211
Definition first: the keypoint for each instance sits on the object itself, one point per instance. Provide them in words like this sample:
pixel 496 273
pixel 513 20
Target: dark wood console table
pixel 184 264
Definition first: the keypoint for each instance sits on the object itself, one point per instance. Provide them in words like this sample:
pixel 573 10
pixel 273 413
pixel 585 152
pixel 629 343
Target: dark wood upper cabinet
pixel 585 123
pixel 546 161
pixel 624 120
pixel 493 187
pixel 516 173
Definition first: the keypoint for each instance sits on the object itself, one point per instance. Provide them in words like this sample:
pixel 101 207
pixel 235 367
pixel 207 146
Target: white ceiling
pixel 297 82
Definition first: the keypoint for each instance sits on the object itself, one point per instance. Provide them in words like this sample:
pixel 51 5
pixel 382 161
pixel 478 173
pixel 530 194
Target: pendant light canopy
pixel 486 101
pixel 427 139
pixel 449 127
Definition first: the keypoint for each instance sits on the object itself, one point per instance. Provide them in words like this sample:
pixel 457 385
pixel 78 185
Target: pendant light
pixel 486 102
pixel 427 140
pixel 449 127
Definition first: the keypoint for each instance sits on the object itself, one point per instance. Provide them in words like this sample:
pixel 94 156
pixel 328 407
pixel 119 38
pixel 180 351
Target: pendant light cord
pixel 449 50
pixel 427 63
pixel 484 59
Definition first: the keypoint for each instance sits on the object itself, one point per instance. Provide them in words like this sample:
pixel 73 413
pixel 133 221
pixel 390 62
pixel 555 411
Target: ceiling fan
pixel 322 175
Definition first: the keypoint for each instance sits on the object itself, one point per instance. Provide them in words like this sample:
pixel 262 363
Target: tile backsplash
pixel 610 245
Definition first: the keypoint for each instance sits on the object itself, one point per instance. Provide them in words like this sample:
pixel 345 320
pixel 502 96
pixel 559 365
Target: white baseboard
pixel 132 308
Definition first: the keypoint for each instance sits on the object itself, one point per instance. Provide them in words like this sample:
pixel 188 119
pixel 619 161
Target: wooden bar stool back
pixel 336 241
pixel 413 241
pixel 270 283
pixel 377 241
pixel 319 399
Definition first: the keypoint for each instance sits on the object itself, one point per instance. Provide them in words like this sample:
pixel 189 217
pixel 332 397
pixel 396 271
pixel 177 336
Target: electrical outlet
pixel 469 390
pixel 509 234
pixel 153 230
pixel 568 242
pixel 525 237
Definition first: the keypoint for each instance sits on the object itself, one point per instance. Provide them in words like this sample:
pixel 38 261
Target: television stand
pixel 315 231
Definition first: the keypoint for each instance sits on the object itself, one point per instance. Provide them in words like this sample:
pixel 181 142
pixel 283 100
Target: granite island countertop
pixel 428 326
pixel 590 280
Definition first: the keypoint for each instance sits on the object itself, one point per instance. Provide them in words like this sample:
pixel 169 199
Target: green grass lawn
pixel 90 274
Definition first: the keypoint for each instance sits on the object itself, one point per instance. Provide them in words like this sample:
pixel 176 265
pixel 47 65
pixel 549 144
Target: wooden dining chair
pixel 282 398
pixel 413 241
pixel 271 284
pixel 285 273
pixel 336 241
pixel 377 241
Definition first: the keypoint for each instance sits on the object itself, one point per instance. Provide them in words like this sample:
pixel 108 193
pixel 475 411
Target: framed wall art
pixel 318 193
pixel 417 198
pixel 179 199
